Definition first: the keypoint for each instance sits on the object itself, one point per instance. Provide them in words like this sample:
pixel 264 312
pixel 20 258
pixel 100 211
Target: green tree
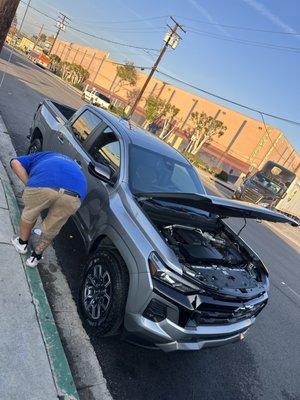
pixel 206 127
pixel 74 73
pixel 126 76
pixel 42 38
pixel 161 112
pixel 169 123
pixel 54 59
pixel 132 95
pixel 153 109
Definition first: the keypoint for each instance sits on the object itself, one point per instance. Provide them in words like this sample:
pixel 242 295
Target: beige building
pixel 245 146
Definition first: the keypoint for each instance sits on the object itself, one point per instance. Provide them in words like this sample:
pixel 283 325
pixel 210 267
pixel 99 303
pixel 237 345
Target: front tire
pixel 35 146
pixel 103 292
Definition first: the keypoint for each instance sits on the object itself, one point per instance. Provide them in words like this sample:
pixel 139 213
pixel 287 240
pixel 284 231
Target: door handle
pixel 60 138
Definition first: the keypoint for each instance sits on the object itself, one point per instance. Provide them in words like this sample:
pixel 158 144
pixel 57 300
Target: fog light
pixel 156 311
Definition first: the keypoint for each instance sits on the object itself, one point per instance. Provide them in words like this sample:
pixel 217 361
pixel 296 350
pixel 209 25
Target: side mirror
pixel 100 171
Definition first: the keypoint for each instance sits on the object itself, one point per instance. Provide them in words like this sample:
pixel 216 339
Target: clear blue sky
pixel 260 77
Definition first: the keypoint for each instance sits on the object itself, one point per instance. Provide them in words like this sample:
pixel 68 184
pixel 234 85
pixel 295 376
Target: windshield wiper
pixel 169 207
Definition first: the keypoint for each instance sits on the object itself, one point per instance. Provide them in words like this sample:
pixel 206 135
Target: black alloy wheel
pixel 103 292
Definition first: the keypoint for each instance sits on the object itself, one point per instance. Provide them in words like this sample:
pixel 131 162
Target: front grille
pixel 251 196
pixel 215 314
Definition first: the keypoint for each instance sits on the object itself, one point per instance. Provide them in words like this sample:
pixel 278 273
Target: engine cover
pixel 195 253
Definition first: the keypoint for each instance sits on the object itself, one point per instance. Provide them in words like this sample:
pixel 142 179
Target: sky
pixel 257 63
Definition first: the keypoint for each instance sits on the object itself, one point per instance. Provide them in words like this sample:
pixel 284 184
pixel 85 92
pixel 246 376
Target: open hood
pixel 220 206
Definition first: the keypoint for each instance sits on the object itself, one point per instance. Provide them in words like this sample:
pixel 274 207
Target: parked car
pixel 162 264
pixel 96 98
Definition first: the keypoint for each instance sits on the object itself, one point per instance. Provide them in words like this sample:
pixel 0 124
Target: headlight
pixel 161 272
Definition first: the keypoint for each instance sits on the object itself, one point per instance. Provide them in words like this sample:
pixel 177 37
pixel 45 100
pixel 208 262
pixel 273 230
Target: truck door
pixel 102 148
pixel 71 137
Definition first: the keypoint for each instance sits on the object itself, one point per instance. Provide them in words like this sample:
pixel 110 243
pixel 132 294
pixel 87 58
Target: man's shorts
pixel 61 206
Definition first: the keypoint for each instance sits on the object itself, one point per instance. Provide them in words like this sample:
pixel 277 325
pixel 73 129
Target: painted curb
pixel 59 365
pixel 60 368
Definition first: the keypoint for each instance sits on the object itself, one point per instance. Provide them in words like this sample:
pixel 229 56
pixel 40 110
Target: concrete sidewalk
pixel 32 361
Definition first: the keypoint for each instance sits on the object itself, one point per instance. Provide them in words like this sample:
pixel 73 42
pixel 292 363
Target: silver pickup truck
pixel 162 265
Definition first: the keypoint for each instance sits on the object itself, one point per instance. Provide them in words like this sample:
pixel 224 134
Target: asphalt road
pixel 264 366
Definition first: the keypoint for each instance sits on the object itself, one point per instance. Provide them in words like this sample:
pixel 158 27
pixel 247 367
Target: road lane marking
pixel 292 290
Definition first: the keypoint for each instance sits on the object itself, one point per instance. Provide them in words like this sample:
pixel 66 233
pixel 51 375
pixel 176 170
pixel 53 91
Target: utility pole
pixel 8 10
pixel 171 39
pixel 100 65
pixel 38 37
pixel 63 20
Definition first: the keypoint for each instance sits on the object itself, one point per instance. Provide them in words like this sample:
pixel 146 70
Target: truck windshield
pixel 265 182
pixel 150 171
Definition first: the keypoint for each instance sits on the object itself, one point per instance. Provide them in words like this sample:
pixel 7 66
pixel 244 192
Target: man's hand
pixel 19 170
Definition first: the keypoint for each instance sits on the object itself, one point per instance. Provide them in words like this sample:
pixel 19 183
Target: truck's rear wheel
pixel 103 292
pixel 35 146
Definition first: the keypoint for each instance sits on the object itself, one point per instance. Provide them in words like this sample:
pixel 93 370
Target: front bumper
pixel 175 321
pixel 169 336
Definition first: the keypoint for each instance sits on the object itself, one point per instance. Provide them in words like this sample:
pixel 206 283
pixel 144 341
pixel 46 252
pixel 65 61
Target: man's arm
pixel 19 170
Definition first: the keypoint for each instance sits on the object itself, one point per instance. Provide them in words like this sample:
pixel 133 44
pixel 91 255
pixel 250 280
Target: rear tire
pixel 35 146
pixel 103 292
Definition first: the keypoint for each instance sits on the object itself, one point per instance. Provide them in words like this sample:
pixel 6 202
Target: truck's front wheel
pixel 35 146
pixel 103 292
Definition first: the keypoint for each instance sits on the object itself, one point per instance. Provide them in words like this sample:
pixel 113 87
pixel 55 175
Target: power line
pixel 140 20
pixel 39 11
pixel 246 42
pixel 92 35
pixel 230 101
pixel 266 129
pixel 110 41
pixel 242 27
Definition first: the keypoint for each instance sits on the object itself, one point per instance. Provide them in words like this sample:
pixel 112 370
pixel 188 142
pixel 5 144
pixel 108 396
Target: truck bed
pixel 65 110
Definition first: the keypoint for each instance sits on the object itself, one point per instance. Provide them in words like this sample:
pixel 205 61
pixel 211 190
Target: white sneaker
pixel 32 261
pixel 21 248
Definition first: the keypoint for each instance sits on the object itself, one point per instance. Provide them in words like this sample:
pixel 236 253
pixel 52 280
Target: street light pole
pixel 8 10
pixel 171 39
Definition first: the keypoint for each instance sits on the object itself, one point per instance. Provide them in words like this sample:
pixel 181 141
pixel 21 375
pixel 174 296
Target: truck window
pixel 104 98
pixel 106 150
pixel 84 125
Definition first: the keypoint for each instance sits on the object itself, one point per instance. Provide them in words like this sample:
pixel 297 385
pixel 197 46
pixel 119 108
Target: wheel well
pixel 37 134
pixel 105 242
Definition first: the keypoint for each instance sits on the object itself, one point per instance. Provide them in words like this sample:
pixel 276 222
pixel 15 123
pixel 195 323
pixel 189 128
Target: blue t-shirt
pixel 54 170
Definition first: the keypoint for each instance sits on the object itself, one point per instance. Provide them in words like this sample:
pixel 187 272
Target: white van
pixel 96 98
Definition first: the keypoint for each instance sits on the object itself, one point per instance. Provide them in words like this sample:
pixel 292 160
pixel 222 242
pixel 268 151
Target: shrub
pixel 78 86
pixel 117 110
pixel 195 160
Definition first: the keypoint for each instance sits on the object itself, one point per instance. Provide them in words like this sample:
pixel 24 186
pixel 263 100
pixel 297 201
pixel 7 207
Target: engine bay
pixel 208 251
pixel 212 258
